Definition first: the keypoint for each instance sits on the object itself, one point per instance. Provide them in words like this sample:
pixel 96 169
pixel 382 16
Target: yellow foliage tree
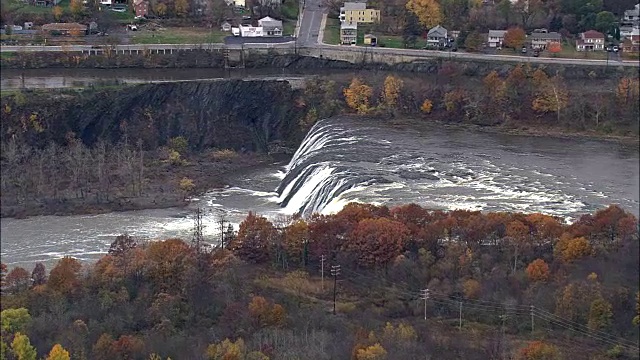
pixel 538 270
pixel 57 12
pixel 227 350
pixel 357 96
pixel 569 249
pixel 539 78
pixel 76 8
pixel 495 85
pixel 296 280
pixel 58 353
pixel 428 12
pixel 373 352
pixel 636 319
pixel 427 106
pixel 187 186
pixel 551 96
pixel 181 7
pixel 600 315
pixel 392 89
pixel 453 100
pixel 471 288
pixel 160 9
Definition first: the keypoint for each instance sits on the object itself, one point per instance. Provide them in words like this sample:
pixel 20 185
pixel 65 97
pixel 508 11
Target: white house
pixel 437 36
pixel 270 26
pixel 496 38
pixel 632 16
pixel 590 41
pixel 251 31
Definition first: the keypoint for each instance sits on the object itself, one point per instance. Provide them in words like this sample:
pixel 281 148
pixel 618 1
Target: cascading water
pixel 311 183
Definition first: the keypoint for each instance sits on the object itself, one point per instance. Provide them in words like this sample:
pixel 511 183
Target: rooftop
pixel 64 26
pixel 546 36
pixel 348 25
pixel 354 6
pixel 592 34
pixel 497 33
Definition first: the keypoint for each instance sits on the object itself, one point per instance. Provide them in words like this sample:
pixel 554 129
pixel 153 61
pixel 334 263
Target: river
pixel 344 159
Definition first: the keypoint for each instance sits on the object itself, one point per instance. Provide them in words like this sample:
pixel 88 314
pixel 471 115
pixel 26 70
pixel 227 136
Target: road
pixel 309 39
pixel 310 25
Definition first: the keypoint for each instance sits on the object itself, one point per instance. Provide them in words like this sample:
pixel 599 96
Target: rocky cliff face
pixel 220 114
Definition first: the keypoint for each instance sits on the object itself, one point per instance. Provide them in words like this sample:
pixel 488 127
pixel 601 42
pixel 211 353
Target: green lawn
pixel 332 32
pixel 178 36
pixel 289 27
pixel 290 9
pixel 332 36
pixel 17 7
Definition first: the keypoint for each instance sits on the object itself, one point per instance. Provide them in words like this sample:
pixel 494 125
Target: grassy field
pixel 178 36
pixel 290 9
pixel 17 7
pixel 332 36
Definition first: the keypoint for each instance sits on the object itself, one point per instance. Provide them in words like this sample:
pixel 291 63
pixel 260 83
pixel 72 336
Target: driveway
pixel 310 24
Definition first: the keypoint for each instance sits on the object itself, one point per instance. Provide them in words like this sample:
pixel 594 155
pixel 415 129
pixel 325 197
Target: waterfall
pixel 313 177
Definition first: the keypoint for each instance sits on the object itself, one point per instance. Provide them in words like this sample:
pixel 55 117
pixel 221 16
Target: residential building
pixel 141 8
pixel 348 33
pixel 496 38
pixel 236 3
pixel 47 3
pixel 632 16
pixel 437 36
pixel 631 44
pixel 106 2
pixel 357 12
pixel 270 26
pixel 541 40
pixel 250 31
pixel 225 26
pixel 65 29
pixel 590 41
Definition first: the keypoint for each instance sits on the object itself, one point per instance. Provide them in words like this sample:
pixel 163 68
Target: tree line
pixel 259 295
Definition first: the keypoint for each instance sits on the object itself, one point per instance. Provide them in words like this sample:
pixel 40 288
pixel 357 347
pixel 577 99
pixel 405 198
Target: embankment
pixel 304 58
pixel 129 148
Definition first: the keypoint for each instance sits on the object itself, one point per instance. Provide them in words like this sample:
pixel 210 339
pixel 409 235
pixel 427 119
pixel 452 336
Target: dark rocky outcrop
pixel 217 114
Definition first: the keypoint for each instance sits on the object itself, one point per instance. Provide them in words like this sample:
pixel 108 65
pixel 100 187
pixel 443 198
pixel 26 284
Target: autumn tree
pixel 39 274
pixel 569 249
pixel 551 96
pixel 538 350
pixel 187 186
pixel 227 350
pixel 76 8
pixel 471 288
pixel 375 242
pixel 392 91
pixel 373 352
pixel 295 240
pixel 58 353
pixel 57 12
pixel 600 315
pixel 64 277
pixel 555 47
pixel 495 86
pixel 166 264
pixel 426 106
pixel 357 96
pixel 515 38
pixel 296 281
pixel 181 7
pixel 22 347
pixel 255 236
pixel 454 100
pixel 3 275
pixel 538 270
pixel 264 313
pixel 428 12
pixel 18 279
pixel 636 319
pixel 517 234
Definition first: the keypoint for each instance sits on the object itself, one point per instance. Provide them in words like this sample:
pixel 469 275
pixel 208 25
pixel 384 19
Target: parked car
pixel 536 53
pixel 524 49
pixel 616 48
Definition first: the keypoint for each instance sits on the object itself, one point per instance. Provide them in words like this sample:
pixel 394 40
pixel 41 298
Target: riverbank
pixel 162 187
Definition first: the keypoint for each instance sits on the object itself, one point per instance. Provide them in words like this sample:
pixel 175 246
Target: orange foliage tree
pixel 515 37
pixel 538 270
pixel 18 279
pixel 538 350
pixel 426 106
pixel 64 277
pixel 264 313
pixel 555 47
pixel 293 240
pixel 376 242
pixel 166 263
pixel 254 239
pixel 357 96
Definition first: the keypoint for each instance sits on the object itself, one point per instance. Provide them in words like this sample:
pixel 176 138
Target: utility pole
pixel 531 310
pixel 322 260
pixel 335 271
pixel 197 231
pixel 460 315
pixel 424 295
pixel 504 341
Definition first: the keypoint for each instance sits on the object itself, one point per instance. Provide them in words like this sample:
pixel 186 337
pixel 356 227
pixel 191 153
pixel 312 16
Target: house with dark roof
pixel 541 40
pixel 64 29
pixel 496 38
pixel 437 36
